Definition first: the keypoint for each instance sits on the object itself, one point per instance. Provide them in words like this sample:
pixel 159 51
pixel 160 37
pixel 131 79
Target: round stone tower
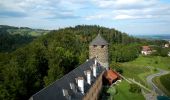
pixel 99 48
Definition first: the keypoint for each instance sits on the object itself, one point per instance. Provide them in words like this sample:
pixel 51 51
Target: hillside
pixel 12 30
pixel 28 69
pixel 12 38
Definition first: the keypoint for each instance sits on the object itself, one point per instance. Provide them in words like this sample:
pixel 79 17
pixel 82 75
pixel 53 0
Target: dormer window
pixel 65 92
pixel 73 87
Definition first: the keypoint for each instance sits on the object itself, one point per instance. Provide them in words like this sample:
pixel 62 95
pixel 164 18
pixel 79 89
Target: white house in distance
pixel 146 50
pixel 166 46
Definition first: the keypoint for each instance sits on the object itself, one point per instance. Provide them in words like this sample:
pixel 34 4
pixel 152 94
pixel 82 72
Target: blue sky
pixel 136 17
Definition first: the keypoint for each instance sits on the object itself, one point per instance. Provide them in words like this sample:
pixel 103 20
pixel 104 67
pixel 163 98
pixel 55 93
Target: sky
pixel 135 17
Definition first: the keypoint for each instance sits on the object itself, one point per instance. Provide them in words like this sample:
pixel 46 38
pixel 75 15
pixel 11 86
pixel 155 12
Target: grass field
pixel 139 70
pixel 143 66
pixel 154 61
pixel 124 94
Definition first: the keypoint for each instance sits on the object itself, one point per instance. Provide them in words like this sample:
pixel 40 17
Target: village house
pixel 146 50
pixel 86 81
pixel 166 46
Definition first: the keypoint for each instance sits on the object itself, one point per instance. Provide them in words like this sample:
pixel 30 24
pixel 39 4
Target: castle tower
pixel 99 48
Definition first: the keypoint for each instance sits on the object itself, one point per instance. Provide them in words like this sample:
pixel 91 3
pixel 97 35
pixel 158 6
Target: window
pixel 94 46
pixel 102 46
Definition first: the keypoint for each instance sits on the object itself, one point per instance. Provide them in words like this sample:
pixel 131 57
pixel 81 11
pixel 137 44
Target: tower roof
pixel 99 40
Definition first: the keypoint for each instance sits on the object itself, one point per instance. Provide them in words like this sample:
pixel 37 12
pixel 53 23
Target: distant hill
pixel 21 30
pixel 12 37
pixel 155 37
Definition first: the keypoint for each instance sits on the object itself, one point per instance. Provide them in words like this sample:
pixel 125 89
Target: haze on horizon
pixel 134 17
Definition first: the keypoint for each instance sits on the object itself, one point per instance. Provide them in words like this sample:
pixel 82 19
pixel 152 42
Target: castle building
pixel 99 48
pixel 84 82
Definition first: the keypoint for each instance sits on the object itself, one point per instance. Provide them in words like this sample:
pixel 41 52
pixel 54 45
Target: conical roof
pixel 99 40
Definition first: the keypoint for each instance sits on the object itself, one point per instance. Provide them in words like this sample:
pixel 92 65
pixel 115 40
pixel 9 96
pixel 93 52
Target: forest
pixel 42 60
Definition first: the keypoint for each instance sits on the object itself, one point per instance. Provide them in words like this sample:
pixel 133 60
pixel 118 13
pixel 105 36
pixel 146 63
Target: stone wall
pixel 94 91
pixel 101 52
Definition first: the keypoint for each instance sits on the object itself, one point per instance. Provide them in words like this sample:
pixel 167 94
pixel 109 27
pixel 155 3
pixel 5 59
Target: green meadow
pixel 143 66
pixel 139 69
pixel 124 94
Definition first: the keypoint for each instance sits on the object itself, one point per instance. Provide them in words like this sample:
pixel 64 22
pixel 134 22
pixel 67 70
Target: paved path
pixel 150 82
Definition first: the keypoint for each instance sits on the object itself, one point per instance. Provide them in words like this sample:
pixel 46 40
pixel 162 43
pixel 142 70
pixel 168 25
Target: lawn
pixel 154 61
pixel 139 70
pixel 124 94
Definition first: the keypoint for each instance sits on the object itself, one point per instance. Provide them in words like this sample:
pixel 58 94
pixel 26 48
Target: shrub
pixel 165 81
pixel 155 70
pixel 134 88
pixel 117 66
pixel 120 70
pixel 156 62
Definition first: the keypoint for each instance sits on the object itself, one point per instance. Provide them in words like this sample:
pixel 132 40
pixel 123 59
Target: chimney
pixel 89 77
pixel 81 84
pixel 94 70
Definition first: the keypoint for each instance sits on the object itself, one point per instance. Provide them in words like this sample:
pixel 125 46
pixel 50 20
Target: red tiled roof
pixel 146 48
pixel 111 75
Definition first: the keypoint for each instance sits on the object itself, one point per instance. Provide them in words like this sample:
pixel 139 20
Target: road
pixel 150 82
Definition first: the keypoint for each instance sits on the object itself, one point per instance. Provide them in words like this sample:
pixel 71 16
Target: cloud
pixel 49 13
pixel 130 9
pixel 63 16
pixel 122 4
pixel 98 16
pixel 75 9
pixel 7 14
pixel 58 9
pixel 54 8
pixel 132 17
